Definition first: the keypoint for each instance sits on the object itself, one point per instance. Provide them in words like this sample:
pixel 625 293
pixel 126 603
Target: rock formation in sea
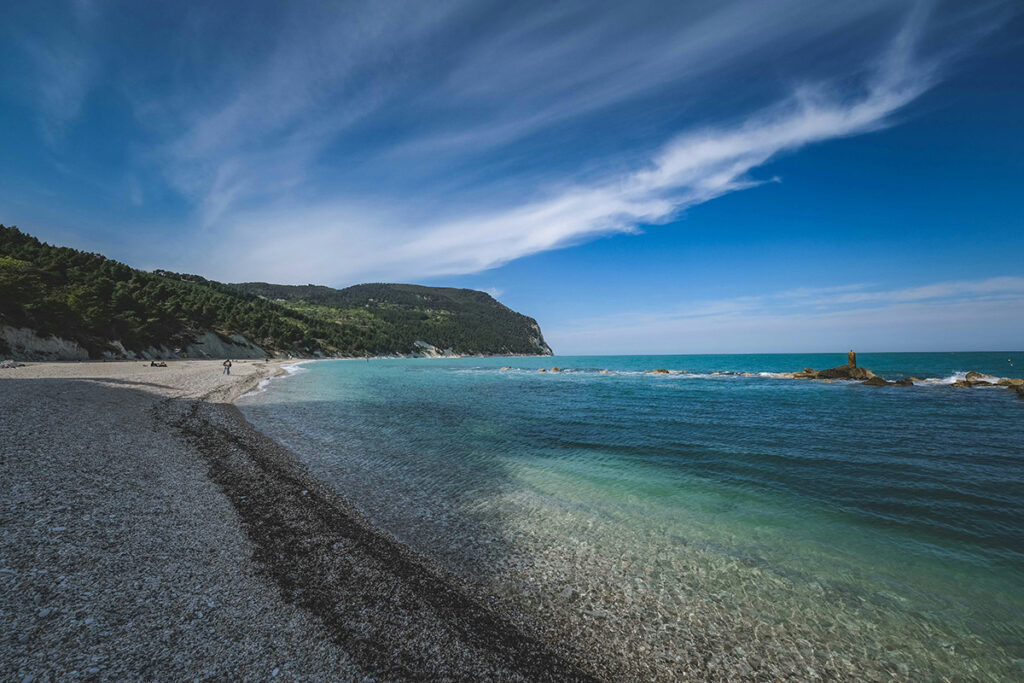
pixel 848 371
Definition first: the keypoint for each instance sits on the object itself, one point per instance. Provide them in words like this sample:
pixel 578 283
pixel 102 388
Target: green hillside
pixel 93 301
pixel 395 316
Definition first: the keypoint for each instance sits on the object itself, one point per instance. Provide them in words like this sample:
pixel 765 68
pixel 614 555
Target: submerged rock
pixel 660 371
pixel 876 382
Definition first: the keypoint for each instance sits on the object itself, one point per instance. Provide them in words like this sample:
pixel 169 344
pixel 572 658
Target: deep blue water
pixel 904 504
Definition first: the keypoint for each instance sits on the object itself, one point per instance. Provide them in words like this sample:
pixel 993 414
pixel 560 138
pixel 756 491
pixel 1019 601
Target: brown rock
pixel 962 384
pixel 876 382
pixel 973 376
pixel 845 372
pixel 908 382
pixel 1010 382
pixel 660 371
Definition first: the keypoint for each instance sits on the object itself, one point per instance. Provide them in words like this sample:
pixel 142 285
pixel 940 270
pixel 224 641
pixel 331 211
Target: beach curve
pixel 150 530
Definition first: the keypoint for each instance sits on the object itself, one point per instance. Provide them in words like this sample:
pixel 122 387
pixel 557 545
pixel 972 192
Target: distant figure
pixel 227 367
pixel 851 359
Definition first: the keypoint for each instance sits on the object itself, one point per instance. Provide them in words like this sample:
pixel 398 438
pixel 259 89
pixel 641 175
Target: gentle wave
pixel 290 369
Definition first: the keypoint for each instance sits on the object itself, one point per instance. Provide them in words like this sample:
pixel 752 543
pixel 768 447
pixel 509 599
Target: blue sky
pixel 647 177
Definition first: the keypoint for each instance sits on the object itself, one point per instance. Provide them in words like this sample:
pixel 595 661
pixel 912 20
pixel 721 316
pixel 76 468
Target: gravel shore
pixel 147 531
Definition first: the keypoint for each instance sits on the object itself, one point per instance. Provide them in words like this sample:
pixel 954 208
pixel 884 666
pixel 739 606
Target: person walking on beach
pixel 227 367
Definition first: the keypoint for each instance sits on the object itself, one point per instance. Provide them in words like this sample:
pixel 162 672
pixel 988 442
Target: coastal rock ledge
pixel 840 372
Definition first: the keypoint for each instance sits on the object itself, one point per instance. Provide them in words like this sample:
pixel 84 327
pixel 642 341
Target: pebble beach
pixel 148 532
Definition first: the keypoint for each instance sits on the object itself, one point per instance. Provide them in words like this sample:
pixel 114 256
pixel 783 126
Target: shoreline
pixel 359 604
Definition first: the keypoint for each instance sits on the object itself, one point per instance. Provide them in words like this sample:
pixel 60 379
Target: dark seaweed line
pixel 397 615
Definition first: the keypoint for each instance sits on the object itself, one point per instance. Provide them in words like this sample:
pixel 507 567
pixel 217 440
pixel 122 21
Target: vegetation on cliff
pixel 96 301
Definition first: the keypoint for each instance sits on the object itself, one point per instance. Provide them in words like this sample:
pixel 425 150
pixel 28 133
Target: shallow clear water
pixel 815 528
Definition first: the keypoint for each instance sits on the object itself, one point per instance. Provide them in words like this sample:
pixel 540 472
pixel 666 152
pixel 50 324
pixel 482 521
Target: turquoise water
pixel 810 528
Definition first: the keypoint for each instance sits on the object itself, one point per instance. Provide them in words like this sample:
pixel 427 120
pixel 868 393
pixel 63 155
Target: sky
pixel 643 177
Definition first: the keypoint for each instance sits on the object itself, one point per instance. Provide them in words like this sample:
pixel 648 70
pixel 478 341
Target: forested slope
pixel 105 306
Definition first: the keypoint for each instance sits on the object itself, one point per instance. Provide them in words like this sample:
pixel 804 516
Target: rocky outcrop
pixel 426 350
pixel 880 382
pixel 537 340
pixel 979 379
pixel 840 372
pixel 9 364
pixel 846 372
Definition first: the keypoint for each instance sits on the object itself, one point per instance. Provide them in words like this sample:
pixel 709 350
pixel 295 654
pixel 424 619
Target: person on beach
pixel 227 367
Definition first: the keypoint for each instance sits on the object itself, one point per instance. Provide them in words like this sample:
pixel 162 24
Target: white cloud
pixel 343 242
pixel 943 316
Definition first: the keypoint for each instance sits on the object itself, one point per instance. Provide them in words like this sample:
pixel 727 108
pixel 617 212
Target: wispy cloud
pixel 351 242
pixel 946 314
pixel 62 69
pixel 402 140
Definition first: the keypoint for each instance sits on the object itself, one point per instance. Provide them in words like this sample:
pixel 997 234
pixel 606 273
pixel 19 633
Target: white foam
pixel 291 369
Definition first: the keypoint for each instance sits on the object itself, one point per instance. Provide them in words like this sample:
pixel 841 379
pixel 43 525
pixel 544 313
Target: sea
pixel 721 518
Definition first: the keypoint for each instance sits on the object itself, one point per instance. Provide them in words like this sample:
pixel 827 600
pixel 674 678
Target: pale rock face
pixel 539 342
pixel 209 345
pixel 25 345
pixel 425 350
